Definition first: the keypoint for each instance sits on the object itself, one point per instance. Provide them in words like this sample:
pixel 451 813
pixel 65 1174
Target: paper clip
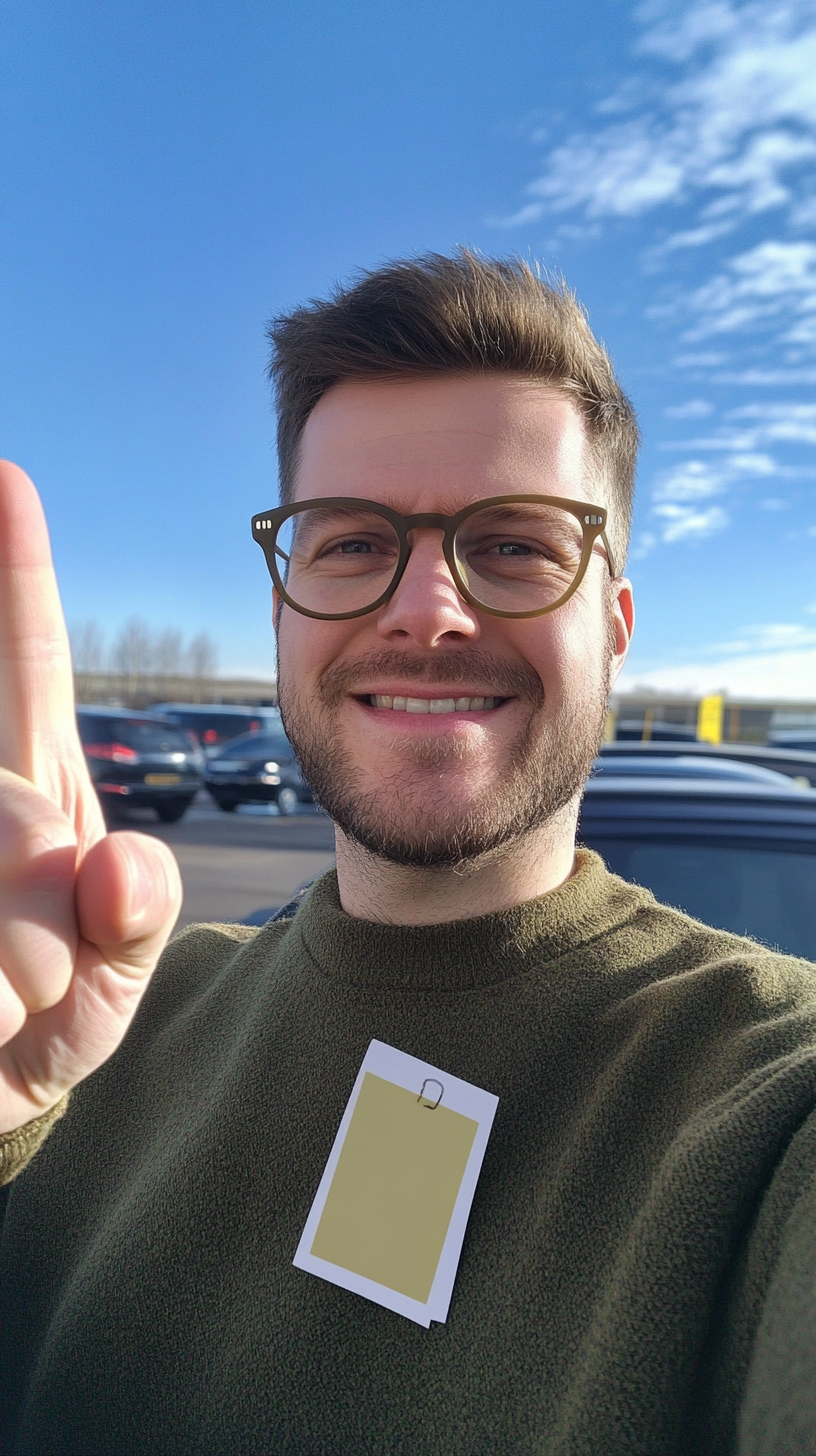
pixel 431 1106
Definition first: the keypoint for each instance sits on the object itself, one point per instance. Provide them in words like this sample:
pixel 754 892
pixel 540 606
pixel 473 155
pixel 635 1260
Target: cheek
pixel 567 648
pixel 307 647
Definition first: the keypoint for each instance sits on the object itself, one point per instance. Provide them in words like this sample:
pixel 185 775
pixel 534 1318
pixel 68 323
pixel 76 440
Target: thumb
pixel 128 896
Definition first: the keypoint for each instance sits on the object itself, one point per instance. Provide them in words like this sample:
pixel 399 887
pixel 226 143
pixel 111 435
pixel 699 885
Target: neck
pixel 372 888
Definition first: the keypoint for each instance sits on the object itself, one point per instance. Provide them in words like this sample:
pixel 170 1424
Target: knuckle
pixel 13 1012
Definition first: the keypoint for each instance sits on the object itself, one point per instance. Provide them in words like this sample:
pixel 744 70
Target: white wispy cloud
pixel 772 280
pixel 783 675
pixel 694 480
pixel 731 132
pixel 699 361
pixel 770 637
pixel 678 509
pixel 765 378
pixel 769 659
pixel 692 409
pixel 786 421
pixel 748 428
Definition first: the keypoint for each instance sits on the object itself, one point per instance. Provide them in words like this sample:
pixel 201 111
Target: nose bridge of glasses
pixel 426 520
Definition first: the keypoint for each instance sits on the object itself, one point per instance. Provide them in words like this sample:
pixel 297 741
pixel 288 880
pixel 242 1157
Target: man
pixel 456 468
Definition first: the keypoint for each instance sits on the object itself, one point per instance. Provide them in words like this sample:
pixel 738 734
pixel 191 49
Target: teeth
pixel 432 705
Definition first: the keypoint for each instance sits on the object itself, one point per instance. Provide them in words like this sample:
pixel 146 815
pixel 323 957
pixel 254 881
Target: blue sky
pixel 174 173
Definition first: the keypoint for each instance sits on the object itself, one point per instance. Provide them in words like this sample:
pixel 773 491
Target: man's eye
pixel 350 547
pixel 514 548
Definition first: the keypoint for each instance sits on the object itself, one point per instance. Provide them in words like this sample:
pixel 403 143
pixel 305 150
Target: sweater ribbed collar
pixel 462 955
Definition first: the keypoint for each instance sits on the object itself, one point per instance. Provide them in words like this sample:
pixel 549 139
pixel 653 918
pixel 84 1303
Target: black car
pixel 257 768
pixel 793 760
pixel 733 844
pixel 139 761
pixel 794 739
pixel 215 724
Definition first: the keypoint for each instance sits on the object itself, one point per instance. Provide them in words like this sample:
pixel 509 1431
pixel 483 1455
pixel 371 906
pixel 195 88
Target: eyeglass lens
pixel 514 557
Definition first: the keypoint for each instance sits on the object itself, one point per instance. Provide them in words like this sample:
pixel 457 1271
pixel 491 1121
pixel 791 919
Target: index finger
pixel 38 732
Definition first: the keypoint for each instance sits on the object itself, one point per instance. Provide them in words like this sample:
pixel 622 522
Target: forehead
pixel 421 444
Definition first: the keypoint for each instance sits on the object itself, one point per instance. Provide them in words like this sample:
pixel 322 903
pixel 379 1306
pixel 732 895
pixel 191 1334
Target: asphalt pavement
pixel 235 864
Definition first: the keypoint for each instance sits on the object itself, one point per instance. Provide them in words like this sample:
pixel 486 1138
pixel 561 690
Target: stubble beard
pixel 410 817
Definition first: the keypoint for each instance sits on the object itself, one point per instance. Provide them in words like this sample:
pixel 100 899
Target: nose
pixel 426 608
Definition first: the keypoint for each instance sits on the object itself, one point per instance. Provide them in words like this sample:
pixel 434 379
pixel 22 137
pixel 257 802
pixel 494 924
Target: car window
pixel 258 745
pixel 145 737
pixel 212 728
pixel 765 893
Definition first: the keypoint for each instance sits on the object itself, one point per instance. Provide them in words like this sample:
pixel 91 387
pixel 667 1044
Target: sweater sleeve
pixel 779 1408
pixel 18 1148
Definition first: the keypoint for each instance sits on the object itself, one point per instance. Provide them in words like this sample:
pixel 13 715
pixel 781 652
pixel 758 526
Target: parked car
pixel 217 723
pixel 257 768
pixel 633 729
pixel 795 762
pixel 794 739
pixel 731 843
pixel 139 760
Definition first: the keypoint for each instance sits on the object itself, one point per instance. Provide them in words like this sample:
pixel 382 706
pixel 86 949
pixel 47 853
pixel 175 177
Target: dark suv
pixel 257 768
pixel 139 760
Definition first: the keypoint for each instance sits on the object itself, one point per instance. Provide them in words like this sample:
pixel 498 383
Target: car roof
pixel 707 788
pixel 794 762
pixel 104 710
pixel 688 766
pixel 244 709
pixel 275 732
pixel 699 810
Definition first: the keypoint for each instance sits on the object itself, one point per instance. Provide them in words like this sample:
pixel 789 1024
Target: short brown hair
pixel 465 314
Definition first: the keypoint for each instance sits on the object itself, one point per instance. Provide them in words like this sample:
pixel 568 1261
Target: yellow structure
pixel 710 719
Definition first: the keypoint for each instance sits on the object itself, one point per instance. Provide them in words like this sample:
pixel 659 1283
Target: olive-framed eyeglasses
pixel 338 557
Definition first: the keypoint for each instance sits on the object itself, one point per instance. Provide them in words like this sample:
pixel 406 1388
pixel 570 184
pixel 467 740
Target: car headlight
pixel 271 767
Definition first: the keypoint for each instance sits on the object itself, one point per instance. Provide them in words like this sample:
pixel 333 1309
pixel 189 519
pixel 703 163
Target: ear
pixel 623 615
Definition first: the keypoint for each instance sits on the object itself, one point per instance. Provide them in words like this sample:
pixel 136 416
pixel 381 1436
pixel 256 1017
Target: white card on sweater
pixel 389 1216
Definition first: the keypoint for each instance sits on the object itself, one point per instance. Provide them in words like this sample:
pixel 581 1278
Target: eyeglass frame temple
pixel 449 525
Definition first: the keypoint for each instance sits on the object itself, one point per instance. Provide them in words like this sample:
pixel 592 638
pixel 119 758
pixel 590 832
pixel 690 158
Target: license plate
pixel 156 779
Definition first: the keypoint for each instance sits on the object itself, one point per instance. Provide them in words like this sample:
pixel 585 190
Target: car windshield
pixel 258 745
pixel 138 733
pixel 211 727
pixel 765 893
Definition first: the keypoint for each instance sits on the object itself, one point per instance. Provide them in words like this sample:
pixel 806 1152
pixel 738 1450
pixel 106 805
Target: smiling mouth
pixel 384 702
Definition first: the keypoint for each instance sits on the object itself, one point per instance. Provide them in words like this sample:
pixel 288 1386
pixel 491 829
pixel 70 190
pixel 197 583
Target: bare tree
pixel 133 653
pixel 142 663
pixel 168 655
pixel 202 658
pixel 87 646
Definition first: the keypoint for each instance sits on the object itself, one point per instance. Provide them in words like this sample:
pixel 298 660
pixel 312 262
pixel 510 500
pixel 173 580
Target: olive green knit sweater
pixel 640 1215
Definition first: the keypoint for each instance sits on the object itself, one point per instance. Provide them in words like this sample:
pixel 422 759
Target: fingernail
pixel 141 885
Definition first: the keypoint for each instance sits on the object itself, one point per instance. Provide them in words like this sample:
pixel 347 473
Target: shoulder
pixel 200 959
pixel 723 1002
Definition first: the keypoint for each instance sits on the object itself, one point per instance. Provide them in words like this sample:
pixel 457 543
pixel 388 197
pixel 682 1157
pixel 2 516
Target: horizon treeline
pixel 138 657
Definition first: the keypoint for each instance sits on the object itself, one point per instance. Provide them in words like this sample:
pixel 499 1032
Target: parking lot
pixel 233 864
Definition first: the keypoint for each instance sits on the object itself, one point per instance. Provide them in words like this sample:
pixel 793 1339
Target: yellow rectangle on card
pixel 394 1188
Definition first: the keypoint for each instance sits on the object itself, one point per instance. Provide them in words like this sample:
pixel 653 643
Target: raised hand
pixel 84 914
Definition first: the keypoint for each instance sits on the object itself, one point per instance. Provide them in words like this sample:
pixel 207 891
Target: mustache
pixel 505 679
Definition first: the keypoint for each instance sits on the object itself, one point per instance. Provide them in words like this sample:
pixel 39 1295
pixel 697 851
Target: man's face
pixel 428 787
